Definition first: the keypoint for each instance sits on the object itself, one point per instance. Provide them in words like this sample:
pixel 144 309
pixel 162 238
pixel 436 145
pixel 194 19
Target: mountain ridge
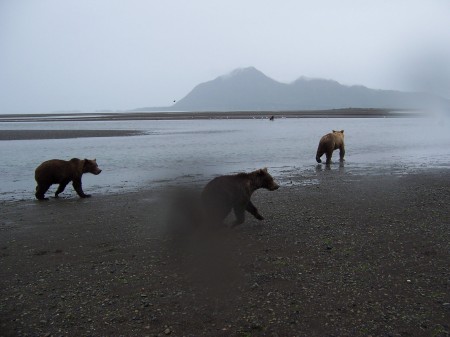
pixel 248 89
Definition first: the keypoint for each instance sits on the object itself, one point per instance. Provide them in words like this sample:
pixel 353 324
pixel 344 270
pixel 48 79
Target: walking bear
pixel 222 194
pixel 330 142
pixel 62 172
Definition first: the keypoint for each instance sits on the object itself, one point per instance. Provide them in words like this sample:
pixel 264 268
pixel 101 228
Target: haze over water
pixel 193 151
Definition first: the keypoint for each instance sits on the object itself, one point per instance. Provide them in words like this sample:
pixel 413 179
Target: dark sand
pixel 351 256
pixel 61 134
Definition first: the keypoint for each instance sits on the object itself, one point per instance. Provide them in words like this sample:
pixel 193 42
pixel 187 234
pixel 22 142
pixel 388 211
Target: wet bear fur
pixel 233 192
pixel 62 172
pixel 330 142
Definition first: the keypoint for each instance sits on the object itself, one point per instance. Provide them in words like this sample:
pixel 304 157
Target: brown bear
pixel 62 172
pixel 329 143
pixel 224 193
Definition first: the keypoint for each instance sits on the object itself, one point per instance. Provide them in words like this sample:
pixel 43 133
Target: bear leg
pixel 215 211
pixel 319 154
pixel 61 188
pixel 329 154
pixel 341 153
pixel 254 211
pixel 78 188
pixel 240 216
pixel 40 191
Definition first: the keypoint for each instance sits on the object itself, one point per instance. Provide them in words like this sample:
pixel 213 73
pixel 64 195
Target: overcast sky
pixel 89 55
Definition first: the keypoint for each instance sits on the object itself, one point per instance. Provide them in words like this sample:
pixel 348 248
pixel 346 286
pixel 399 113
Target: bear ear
pixel 342 131
pixel 334 130
pixel 264 169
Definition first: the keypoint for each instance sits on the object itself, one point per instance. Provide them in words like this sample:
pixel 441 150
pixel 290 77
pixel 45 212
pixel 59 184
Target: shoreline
pixel 180 115
pixel 353 255
pixel 32 134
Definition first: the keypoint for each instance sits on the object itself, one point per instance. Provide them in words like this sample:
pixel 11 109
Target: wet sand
pixel 350 256
pixel 62 134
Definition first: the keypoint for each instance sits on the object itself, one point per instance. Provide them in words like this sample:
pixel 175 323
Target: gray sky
pixel 89 55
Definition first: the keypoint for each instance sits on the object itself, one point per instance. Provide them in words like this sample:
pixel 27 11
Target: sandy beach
pixel 349 256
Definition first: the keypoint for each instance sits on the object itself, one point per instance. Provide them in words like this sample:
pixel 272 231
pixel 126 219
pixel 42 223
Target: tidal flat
pixel 355 249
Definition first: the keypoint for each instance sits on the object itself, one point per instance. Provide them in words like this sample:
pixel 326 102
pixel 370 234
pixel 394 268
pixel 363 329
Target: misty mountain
pixel 250 89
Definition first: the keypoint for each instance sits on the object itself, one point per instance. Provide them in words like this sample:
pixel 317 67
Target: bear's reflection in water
pixel 327 167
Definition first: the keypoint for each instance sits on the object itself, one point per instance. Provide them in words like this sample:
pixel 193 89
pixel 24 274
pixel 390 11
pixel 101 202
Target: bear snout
pixel 274 187
pixel 97 171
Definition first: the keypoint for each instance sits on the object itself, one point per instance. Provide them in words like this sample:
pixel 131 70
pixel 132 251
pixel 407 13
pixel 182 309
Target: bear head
pixel 339 133
pixel 90 166
pixel 265 180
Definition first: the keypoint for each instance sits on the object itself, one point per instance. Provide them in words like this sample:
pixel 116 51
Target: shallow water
pixel 196 150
